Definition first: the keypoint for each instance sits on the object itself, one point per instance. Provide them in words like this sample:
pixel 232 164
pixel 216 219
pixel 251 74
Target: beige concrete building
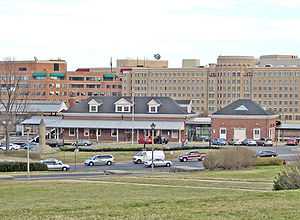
pixel 273 81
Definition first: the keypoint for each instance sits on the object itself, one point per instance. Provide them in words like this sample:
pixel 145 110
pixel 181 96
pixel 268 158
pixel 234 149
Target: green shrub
pixel 288 178
pixel 268 161
pixel 230 158
pixel 21 166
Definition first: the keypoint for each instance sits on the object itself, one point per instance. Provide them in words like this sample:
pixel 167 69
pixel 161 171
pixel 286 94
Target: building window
pixel 174 134
pixel 113 132
pixel 119 108
pixel 126 108
pixel 86 132
pixel 22 69
pixel 56 67
pixel 256 133
pixel 71 131
pixel 153 109
pixel 99 132
pixel 93 108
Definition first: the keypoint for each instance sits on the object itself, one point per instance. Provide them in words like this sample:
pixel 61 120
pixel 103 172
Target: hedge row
pixel 21 166
pixel 112 149
pixel 268 161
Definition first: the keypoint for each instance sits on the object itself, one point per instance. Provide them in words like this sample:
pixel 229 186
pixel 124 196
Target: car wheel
pixel 64 169
pixel 91 164
pixel 108 163
pixel 168 164
pixel 184 160
pixel 139 161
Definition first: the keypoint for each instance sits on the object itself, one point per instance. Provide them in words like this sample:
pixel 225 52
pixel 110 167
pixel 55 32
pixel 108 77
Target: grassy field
pixel 206 195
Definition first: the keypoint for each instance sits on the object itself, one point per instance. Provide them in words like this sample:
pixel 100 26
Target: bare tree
pixel 14 94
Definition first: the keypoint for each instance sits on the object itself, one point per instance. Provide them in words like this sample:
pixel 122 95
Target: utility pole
pixel 28 162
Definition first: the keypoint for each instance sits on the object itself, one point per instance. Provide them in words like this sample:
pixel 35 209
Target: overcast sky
pixel 88 32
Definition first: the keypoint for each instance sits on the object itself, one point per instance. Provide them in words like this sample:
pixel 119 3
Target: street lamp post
pixel 28 162
pixel 152 128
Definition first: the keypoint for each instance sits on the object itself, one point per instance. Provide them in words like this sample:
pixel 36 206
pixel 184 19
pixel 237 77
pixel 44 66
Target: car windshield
pixel 140 153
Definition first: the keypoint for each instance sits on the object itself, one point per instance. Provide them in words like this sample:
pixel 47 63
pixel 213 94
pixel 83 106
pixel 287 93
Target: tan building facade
pixel 275 87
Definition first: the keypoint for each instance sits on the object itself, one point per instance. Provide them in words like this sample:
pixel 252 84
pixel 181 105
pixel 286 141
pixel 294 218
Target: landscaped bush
pixel 230 158
pixel 268 161
pixel 288 178
pixel 21 166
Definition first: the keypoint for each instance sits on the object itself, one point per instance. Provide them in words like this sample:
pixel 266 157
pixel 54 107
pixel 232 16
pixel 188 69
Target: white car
pixel 158 163
pixel 54 164
pixel 11 147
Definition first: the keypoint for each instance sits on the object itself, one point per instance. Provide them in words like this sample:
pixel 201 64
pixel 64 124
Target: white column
pixel 179 136
pixel 97 134
pixel 77 135
pixel 23 130
pixel 117 135
pixel 137 135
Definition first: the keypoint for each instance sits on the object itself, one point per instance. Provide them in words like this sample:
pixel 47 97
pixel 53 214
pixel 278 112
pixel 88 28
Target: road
pixel 130 166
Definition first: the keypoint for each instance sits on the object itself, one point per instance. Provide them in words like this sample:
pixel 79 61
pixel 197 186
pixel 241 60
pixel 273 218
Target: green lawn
pixel 205 195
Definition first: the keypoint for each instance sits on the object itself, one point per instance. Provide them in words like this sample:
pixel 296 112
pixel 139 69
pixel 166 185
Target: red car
pixel 192 155
pixel 146 140
pixel 292 141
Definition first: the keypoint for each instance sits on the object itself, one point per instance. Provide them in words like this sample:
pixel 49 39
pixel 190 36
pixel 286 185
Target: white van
pixel 142 156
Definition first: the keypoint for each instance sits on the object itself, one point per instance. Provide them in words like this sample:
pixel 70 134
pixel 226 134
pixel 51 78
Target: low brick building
pixel 122 119
pixel 243 119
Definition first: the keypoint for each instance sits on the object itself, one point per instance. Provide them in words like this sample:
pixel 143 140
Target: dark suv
pixel 192 155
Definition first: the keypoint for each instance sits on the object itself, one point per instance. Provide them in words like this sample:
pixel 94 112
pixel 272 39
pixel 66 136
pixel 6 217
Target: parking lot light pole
pixel 28 163
pixel 152 128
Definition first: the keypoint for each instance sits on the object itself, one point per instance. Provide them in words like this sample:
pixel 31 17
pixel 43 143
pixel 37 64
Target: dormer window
pixel 153 106
pixel 153 109
pixel 122 108
pixel 94 105
pixel 122 105
pixel 93 108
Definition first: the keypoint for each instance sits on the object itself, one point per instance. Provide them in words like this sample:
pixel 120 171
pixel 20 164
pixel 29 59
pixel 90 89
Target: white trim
pixel 72 135
pixel 86 132
pixel 222 135
pixel 245 116
pixel 111 132
pixel 136 115
pixel 258 135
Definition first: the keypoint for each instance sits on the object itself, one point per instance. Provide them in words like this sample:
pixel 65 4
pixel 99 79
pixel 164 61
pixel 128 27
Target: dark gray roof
pixel 183 102
pixel 167 105
pixel 243 107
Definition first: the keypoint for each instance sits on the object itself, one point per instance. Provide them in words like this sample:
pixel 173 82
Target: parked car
pixel 161 140
pixel 235 142
pixel 264 142
pixel 192 155
pixel 30 145
pixel 292 141
pixel 54 164
pixel 266 153
pixel 10 147
pixel 219 141
pixel 145 140
pixel 82 142
pixel 100 160
pixel 158 163
pixel 142 156
pixel 249 142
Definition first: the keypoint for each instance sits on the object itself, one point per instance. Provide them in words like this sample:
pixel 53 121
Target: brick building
pixel 243 119
pixel 121 119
